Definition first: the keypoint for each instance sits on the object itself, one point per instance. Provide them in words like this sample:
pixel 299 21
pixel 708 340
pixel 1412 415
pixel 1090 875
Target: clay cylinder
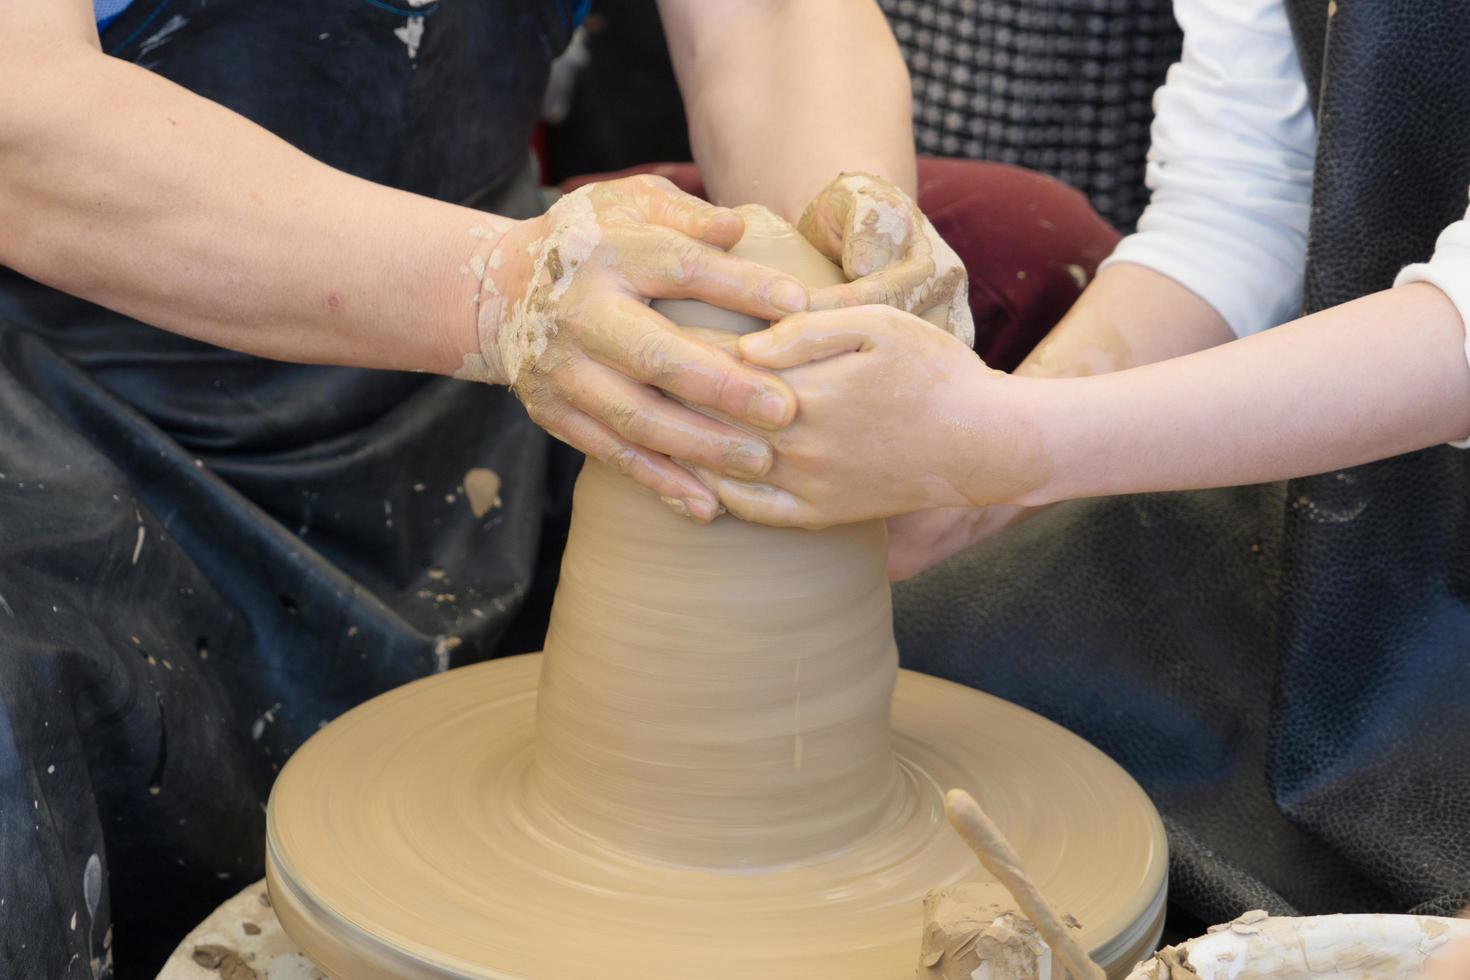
pixel 718 696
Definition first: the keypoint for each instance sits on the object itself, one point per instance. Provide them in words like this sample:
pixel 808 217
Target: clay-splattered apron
pixel 204 556
pixel 1286 669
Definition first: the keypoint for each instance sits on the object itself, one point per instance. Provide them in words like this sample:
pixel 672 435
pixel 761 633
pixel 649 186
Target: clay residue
pixel 1174 964
pixel 967 936
pixel 514 332
pixel 528 328
pixel 997 855
pixel 482 489
pixel 1257 946
pixel 225 961
pixel 1102 349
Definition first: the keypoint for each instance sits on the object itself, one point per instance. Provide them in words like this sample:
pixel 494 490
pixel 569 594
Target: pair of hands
pixel 564 320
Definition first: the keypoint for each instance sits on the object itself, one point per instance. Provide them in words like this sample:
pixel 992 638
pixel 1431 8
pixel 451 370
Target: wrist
pixel 1031 433
pixel 1068 416
pixel 1021 440
pixel 479 299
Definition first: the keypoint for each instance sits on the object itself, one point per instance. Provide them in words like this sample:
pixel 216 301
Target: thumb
pixel 825 220
pixel 878 236
pixel 806 337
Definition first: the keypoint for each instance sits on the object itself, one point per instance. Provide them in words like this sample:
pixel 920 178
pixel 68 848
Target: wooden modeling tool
pixel 996 854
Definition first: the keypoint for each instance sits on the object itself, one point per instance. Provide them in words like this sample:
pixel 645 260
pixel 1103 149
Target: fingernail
pixel 750 458
pixel 676 505
pixel 789 296
pixel 770 407
pixel 861 263
pixel 704 511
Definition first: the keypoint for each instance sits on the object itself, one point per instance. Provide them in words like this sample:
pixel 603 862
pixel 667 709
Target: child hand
pixel 923 539
pixel 893 415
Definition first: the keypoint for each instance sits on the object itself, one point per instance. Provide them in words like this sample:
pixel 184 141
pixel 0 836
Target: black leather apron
pixel 1285 668
pixel 204 556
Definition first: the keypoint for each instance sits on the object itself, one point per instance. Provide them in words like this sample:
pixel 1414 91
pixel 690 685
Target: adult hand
pixel 895 416
pixel 891 252
pixel 563 319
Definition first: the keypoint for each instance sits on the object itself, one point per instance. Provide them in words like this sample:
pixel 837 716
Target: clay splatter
pixel 482 487
pixel 164 34
pixel 411 34
pixel 442 649
pixel 92 884
pixel 225 961
pixel 267 717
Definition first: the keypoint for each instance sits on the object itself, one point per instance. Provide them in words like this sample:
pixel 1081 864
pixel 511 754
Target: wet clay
pixel 770 241
pixel 968 936
pixel 1257 946
pixel 241 940
pixel 1000 859
pixel 716 770
pixel 691 718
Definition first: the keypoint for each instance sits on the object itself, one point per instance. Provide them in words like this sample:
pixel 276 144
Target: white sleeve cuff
pixel 1449 270
pixel 1251 289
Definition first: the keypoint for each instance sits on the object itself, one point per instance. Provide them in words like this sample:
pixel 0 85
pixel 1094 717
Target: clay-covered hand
pixel 564 320
pixel 890 250
pixel 893 416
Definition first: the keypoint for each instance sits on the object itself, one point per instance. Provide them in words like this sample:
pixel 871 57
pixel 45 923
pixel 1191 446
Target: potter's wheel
pixel 700 778
pixel 407 839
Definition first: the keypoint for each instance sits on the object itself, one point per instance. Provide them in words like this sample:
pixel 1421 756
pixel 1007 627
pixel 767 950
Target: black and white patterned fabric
pixel 1060 86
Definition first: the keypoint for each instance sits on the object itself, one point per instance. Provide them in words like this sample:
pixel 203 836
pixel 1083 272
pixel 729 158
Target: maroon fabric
pixel 1030 242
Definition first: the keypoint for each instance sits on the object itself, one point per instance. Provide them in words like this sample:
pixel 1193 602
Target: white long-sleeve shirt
pixel 1230 170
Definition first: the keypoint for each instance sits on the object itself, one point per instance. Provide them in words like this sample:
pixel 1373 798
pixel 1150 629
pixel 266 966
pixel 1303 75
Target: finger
pixel 721 339
pixel 824 222
pixel 645 418
pixel 759 503
pixel 664 204
pixel 638 343
pixel 807 337
pixel 866 252
pixel 955 317
pixel 678 488
pixel 671 266
pixel 896 286
pixel 881 289
pixel 879 234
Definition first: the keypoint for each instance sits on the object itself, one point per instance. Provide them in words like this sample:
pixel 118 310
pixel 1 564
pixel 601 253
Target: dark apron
pixel 1285 668
pixel 205 556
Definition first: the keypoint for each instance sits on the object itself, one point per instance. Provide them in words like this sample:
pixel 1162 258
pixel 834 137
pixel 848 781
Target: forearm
pixel 1129 316
pixel 782 95
pixel 1374 378
pixel 132 192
